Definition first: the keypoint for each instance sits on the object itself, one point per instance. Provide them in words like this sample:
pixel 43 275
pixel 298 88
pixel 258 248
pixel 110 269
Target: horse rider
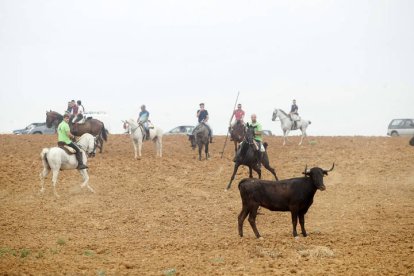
pixel 143 119
pixel 81 111
pixel 69 108
pixel 294 115
pixel 64 136
pixel 74 112
pixel 202 115
pixel 238 114
pixel 257 137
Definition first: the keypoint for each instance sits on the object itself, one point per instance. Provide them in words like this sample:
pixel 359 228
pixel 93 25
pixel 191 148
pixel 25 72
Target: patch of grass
pixel 24 253
pixel 101 273
pixel 217 260
pixel 7 251
pixel 89 253
pixel 170 272
pixel 61 242
pixel 40 255
pixel 54 251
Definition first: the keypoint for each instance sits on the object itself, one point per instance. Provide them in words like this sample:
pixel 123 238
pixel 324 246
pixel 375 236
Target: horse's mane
pixel 132 123
pixel 282 111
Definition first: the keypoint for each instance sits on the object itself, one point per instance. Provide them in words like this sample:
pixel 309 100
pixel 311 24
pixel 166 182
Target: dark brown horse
pixel 92 126
pixel 237 133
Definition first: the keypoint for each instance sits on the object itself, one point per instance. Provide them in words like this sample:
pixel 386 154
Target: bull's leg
pixel 252 219
pixel 294 222
pixel 43 174
pixel 242 216
pixel 236 166
pixel 55 173
pixel 265 162
pixel 302 224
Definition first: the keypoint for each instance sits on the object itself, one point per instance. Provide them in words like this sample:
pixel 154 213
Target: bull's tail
pixel 104 133
pixel 43 156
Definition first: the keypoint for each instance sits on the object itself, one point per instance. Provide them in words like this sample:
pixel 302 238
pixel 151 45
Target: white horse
pixel 286 124
pixel 56 159
pixel 137 133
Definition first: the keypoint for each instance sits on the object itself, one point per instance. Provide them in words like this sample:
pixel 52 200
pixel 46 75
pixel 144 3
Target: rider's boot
pixel 81 166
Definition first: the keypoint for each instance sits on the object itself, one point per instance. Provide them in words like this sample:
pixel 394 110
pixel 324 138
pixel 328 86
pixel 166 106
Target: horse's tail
pixel 44 159
pixel 104 133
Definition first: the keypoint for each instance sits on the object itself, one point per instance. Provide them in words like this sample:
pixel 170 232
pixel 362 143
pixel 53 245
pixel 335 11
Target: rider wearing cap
pixel 64 136
pixel 202 115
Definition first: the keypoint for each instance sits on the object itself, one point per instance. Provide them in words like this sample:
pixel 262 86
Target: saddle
pixel 66 148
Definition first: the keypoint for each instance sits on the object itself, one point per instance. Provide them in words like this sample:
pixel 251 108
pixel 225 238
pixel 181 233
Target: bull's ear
pixel 325 173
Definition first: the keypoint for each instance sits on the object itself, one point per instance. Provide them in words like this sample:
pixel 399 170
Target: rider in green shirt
pixel 64 136
pixel 258 136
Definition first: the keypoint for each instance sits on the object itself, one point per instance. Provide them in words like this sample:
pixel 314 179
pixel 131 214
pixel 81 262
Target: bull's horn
pixel 306 169
pixel 333 165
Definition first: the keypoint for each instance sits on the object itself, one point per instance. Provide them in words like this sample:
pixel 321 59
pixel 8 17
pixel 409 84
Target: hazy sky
pixel 349 64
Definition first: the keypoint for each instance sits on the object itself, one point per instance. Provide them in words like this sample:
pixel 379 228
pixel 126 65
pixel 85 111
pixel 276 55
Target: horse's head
pixel 192 140
pixel 274 114
pixel 238 131
pixel 88 143
pixel 249 137
pixel 53 118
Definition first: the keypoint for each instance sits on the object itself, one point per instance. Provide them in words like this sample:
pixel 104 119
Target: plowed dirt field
pixel 171 216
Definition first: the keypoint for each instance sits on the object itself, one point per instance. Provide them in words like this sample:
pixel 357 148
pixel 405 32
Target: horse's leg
pixel 85 177
pixel 265 162
pixel 100 143
pixel 159 146
pixel 236 166
pixel 206 151
pixel 257 169
pixel 285 136
pixel 250 172
pixel 43 174
pixel 135 149
pixel 200 148
pixel 55 173
pixel 139 148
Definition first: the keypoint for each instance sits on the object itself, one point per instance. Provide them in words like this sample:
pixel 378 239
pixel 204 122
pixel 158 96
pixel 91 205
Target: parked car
pixel 36 128
pixel 399 127
pixel 181 130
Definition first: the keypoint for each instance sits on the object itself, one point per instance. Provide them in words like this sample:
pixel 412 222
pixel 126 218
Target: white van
pixel 398 127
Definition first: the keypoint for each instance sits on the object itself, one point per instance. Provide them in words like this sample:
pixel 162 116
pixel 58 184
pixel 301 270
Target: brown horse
pixel 92 126
pixel 237 133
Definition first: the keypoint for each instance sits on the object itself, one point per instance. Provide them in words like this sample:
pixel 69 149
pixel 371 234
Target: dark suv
pixel 36 128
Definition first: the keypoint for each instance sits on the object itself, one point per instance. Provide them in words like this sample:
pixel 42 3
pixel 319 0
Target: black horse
pixel 199 138
pixel 237 133
pixel 247 155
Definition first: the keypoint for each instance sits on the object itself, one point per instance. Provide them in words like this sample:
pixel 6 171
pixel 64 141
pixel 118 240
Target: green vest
pixel 257 127
pixel 62 131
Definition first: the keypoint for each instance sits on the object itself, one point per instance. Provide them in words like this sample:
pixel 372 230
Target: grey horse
pixel 200 137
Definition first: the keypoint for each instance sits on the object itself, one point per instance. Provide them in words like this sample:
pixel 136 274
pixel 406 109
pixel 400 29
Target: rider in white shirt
pixel 81 111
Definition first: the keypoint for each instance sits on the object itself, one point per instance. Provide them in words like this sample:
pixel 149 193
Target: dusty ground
pixel 171 216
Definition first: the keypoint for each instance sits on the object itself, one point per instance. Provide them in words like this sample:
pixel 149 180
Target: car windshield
pixel 396 122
